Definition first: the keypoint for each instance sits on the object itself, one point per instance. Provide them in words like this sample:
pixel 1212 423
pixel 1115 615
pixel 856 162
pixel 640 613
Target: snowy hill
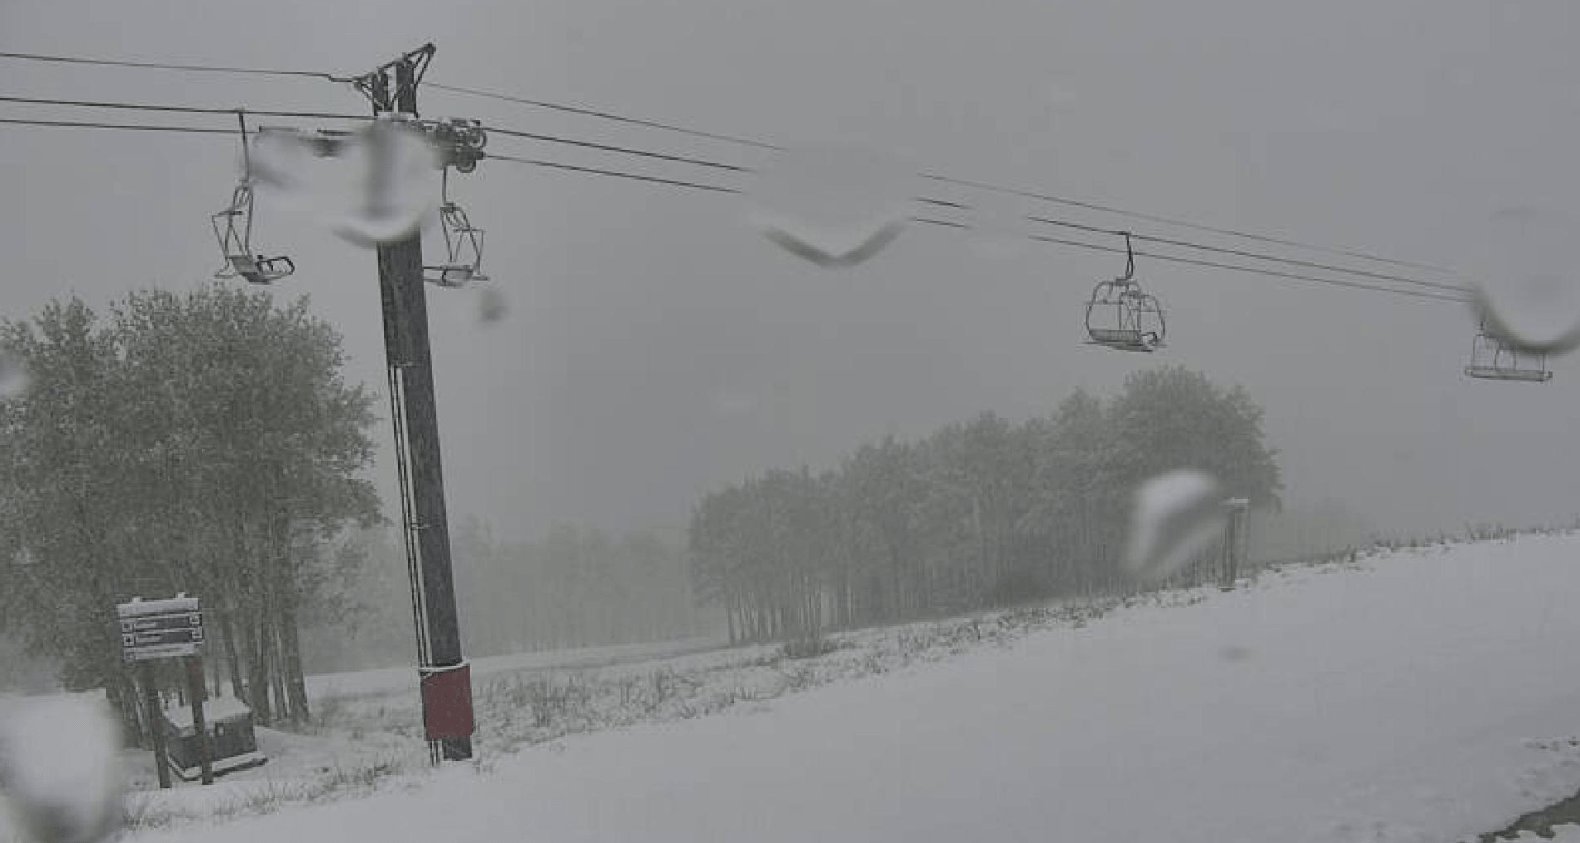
pixel 1419 695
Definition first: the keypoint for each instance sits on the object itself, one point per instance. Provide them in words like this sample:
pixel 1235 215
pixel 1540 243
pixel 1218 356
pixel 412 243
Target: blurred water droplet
pixel 1529 295
pixel 370 187
pixel 60 765
pixel 1236 653
pixel 280 160
pixel 834 206
pixel 399 169
pixel 491 305
pixel 14 376
pixel 1176 516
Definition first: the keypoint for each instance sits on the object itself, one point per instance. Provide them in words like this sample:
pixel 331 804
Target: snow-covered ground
pixel 1421 695
pixel 404 679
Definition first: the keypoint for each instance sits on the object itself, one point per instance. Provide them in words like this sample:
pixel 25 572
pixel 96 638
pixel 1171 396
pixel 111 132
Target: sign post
pixel 198 692
pixel 156 724
pixel 167 629
pixel 1236 512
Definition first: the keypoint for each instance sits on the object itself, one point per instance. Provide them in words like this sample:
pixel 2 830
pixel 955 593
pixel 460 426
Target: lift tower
pixel 446 679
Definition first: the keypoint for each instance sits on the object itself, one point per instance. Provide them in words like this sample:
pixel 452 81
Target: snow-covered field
pixel 1414 696
pixel 404 679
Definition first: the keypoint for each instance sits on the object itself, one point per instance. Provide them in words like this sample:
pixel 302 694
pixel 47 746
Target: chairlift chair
pixel 1491 358
pixel 233 229
pixel 1121 316
pixel 463 245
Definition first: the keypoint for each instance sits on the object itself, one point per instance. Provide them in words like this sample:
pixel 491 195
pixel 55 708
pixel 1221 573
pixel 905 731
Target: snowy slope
pixel 1400 699
pixel 404 679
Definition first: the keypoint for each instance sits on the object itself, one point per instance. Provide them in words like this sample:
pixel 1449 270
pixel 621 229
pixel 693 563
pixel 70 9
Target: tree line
pixel 572 587
pixel 978 514
pixel 203 443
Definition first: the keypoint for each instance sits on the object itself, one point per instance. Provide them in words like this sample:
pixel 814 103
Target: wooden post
pixel 1237 512
pixel 195 686
pixel 156 723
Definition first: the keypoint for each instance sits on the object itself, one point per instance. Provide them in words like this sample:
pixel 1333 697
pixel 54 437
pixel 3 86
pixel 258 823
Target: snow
pixel 215 709
pixel 1422 695
pixel 404 679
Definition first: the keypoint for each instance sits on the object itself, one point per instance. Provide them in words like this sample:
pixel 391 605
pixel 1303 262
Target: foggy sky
pixel 656 347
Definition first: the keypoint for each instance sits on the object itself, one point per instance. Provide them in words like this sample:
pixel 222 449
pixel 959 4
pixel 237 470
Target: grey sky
pixel 656 347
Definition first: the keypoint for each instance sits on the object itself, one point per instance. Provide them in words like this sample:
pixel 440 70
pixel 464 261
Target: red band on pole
pixel 447 701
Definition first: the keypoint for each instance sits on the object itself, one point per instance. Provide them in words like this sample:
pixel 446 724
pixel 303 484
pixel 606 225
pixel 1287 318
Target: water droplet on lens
pixel 373 186
pixel 1175 516
pixel 1529 296
pixel 398 186
pixel 14 376
pixel 492 306
pixel 834 206
pixel 1236 653
pixel 60 764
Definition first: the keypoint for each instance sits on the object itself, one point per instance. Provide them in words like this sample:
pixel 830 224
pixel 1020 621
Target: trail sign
pixel 167 629
pixel 159 623
pixel 160 629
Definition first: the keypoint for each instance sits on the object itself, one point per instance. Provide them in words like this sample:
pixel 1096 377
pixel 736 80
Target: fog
pixel 655 347
pixel 666 436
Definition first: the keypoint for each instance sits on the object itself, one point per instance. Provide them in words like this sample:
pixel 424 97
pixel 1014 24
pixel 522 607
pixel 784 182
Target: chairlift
pixel 1123 317
pixel 233 229
pixel 1492 358
pixel 463 245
